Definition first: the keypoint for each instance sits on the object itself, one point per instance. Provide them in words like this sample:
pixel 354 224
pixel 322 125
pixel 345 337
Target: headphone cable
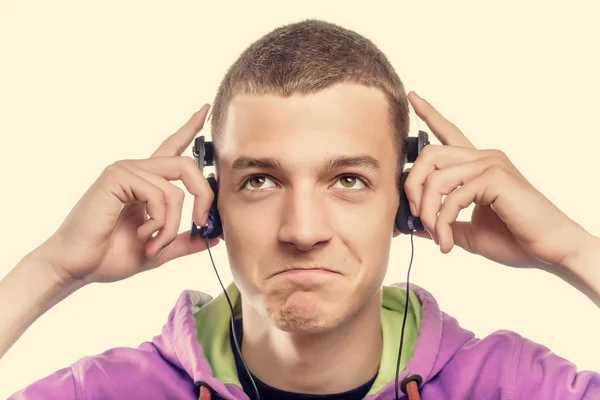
pixel 237 346
pixel 405 312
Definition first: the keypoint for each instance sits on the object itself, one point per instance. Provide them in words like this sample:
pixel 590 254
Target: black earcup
pixel 214 227
pixel 405 221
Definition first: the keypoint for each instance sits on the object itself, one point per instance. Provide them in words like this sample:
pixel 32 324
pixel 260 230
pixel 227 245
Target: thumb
pixel 184 245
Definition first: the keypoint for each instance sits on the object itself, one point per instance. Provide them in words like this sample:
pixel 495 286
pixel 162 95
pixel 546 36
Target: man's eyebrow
pixel 361 161
pixel 247 162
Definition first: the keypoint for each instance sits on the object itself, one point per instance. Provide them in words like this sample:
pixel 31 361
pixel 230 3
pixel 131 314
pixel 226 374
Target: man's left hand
pixel 512 222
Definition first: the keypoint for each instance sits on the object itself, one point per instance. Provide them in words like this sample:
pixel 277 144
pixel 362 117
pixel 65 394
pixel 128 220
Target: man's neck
pixel 332 362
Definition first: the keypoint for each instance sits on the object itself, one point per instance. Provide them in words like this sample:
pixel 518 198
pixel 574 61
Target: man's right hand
pixel 108 236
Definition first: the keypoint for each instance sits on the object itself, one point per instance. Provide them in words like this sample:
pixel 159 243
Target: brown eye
pixel 351 182
pixel 348 181
pixel 256 182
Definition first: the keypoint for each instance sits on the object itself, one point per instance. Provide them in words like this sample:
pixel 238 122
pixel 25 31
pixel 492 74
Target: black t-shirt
pixel 269 393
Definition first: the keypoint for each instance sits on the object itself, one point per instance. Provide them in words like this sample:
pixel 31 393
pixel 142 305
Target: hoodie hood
pixel 188 340
pixel 193 356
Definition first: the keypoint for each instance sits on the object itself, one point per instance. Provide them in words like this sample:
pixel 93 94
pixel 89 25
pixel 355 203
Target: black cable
pixel 237 346
pixel 412 246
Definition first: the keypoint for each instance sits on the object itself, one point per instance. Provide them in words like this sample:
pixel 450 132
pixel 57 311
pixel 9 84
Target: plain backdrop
pixel 83 84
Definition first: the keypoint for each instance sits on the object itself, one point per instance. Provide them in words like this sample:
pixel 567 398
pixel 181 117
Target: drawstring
pixel 410 386
pixel 412 389
pixel 204 393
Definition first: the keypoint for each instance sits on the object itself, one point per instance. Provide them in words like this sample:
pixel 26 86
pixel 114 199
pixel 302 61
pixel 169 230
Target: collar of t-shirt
pixel 270 393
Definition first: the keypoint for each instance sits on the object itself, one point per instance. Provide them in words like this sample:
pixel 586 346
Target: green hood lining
pixel 213 327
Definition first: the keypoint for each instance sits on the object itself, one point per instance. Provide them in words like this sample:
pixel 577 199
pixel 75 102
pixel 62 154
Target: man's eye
pixel 256 182
pixel 346 181
pixel 350 182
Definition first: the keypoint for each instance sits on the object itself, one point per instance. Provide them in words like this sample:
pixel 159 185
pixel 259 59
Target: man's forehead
pixel 344 117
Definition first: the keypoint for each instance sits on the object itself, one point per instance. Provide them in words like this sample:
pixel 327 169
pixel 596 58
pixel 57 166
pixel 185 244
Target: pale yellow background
pixel 83 84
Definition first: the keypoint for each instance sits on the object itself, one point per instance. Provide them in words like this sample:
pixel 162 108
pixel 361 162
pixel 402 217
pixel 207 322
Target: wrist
pixel 45 282
pixel 29 290
pixel 583 264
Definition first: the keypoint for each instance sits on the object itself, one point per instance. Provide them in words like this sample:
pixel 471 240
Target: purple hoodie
pixel 451 361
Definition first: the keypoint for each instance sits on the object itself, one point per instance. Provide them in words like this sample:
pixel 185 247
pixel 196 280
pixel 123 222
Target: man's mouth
pixel 299 270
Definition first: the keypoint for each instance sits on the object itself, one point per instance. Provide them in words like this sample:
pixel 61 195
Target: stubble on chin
pixel 300 312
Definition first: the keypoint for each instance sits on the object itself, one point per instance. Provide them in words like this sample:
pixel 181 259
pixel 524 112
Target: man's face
pixel 307 198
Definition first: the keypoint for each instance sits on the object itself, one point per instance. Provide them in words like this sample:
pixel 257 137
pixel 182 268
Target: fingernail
pixel 158 254
pixel 204 219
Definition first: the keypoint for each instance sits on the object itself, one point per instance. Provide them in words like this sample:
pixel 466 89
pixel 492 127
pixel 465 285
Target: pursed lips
pixel 305 268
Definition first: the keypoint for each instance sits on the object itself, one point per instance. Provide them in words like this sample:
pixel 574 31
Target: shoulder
pixel 116 373
pixel 503 361
pixel 156 369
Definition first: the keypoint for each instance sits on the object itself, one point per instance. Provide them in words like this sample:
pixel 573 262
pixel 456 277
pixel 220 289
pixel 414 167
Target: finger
pixel 444 130
pixel 423 234
pixel 445 181
pixel 185 169
pixel 129 187
pixel 461 235
pixel 183 245
pixel 176 144
pixel 475 191
pixel 435 158
pixel 174 198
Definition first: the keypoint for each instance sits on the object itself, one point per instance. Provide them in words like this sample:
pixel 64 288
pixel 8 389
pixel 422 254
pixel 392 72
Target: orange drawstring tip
pixel 204 393
pixel 412 389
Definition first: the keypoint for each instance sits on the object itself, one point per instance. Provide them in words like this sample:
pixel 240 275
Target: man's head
pixel 309 127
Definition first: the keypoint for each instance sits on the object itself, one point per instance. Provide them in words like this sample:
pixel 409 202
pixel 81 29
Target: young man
pixel 309 126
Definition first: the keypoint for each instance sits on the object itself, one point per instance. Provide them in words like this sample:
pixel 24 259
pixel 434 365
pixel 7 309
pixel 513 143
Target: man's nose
pixel 305 220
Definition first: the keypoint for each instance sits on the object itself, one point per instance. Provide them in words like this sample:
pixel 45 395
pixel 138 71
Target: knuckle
pixel 189 163
pixel 427 151
pixel 110 170
pixel 159 218
pixel 496 172
pixel 161 195
pixel 432 179
pixel 118 165
pixel 114 169
pixel 173 146
pixel 499 154
pixel 190 169
pixel 158 196
pixel 115 166
pixel 449 201
pixel 122 163
pixel 177 194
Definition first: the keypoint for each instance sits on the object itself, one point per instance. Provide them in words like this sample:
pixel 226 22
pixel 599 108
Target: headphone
pixel 203 152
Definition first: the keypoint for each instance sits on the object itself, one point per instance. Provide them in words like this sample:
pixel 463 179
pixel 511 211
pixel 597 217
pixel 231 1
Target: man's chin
pixel 303 312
